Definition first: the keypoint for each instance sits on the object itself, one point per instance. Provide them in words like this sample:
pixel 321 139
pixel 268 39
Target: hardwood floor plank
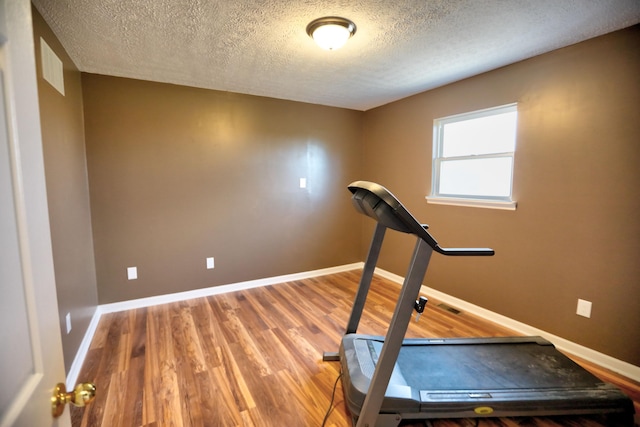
pixel 187 367
pixel 98 369
pixel 187 344
pixel 111 362
pixel 278 315
pixel 168 392
pixel 102 331
pixel 133 387
pixel 304 365
pixel 246 347
pixel 208 335
pixel 249 308
pixel 150 391
pixel 114 401
pixel 271 346
pixel 235 378
pixel 226 403
pixel 253 358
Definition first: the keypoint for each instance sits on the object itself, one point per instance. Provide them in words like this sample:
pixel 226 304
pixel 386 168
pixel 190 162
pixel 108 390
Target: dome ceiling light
pixel 331 32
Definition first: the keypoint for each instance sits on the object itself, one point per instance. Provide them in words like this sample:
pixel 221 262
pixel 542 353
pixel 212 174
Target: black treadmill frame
pixel 377 202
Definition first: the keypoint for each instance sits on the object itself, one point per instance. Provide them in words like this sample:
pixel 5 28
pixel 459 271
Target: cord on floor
pixel 333 395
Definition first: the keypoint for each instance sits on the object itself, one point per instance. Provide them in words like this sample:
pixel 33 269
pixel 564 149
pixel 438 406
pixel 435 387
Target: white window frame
pixel 487 201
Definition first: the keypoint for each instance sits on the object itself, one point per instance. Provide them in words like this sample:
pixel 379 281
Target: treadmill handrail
pixel 409 223
pixel 464 251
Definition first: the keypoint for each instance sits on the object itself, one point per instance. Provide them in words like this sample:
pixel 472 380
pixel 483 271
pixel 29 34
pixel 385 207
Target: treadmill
pixel 390 379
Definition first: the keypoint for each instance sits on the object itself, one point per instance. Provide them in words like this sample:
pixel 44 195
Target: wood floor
pixel 254 358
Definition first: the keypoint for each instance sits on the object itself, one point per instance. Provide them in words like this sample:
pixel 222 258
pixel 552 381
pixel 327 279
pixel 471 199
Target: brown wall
pixel 67 193
pixel 576 231
pixel 179 174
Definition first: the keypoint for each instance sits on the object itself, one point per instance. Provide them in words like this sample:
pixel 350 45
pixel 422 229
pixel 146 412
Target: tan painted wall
pixel 67 193
pixel 179 174
pixel 576 231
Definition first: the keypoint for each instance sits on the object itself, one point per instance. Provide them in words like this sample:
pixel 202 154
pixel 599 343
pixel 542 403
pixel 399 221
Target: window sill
pixel 474 203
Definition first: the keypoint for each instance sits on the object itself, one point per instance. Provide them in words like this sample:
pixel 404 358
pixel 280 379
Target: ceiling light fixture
pixel 331 32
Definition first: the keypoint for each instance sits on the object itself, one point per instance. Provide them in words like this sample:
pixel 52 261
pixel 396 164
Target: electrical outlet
pixel 303 182
pixel 68 319
pixel 210 263
pixel 584 308
pixel 132 273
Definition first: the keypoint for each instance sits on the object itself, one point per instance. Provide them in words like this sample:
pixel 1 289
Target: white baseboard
pixel 222 289
pixel 74 371
pixel 623 368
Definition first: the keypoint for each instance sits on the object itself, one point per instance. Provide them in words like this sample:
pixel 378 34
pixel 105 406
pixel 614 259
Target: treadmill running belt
pixel 486 367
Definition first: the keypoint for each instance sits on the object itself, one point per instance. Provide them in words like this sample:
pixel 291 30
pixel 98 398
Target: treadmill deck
pixel 471 377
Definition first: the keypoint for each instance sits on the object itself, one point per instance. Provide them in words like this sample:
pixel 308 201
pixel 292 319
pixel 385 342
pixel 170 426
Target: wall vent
pixel 51 67
pixel 449 308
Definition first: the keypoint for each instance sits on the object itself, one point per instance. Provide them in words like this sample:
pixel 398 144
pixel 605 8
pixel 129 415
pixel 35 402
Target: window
pixel 473 158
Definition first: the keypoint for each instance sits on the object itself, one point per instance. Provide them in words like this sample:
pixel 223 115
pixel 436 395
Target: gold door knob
pixel 83 394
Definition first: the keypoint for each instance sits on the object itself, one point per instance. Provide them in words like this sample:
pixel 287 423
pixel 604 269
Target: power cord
pixel 333 395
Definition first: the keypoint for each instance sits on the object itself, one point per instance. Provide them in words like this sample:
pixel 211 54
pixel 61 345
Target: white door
pixel 31 360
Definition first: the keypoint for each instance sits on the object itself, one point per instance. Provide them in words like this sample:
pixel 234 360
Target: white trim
pixel 485 112
pixel 474 203
pixel 623 368
pixel 222 289
pixel 81 354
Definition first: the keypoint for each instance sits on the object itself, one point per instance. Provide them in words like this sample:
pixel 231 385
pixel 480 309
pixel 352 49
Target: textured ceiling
pixel 401 47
